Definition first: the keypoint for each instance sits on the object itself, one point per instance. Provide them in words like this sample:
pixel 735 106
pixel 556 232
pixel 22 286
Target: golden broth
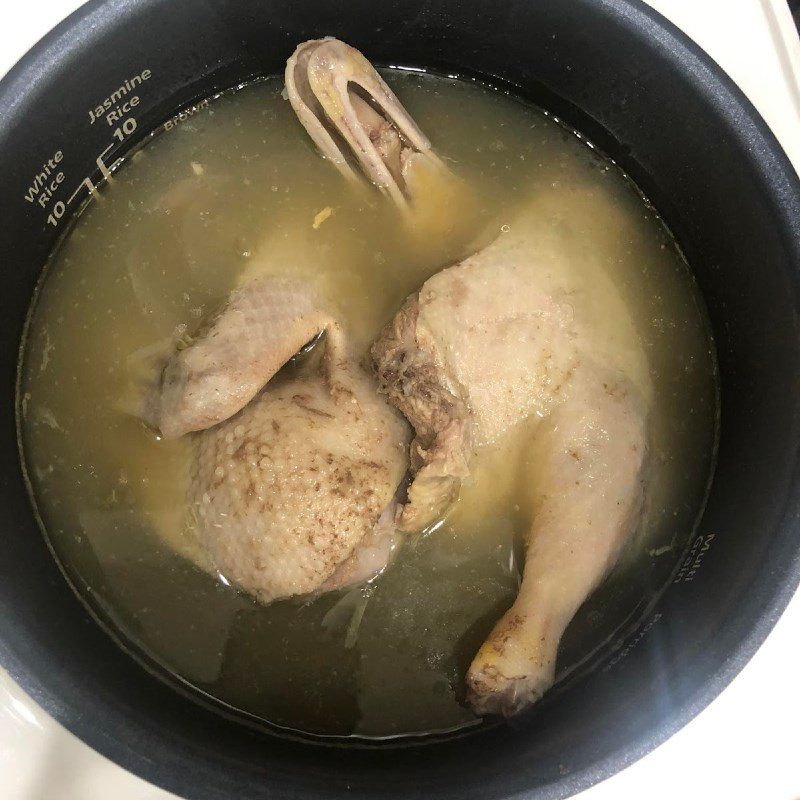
pixel 236 190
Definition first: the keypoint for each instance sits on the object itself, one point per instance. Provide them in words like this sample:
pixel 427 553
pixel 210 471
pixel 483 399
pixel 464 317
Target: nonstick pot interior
pixel 636 87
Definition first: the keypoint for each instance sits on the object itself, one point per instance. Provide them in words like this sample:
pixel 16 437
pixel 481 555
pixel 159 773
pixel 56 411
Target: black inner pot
pixel 632 84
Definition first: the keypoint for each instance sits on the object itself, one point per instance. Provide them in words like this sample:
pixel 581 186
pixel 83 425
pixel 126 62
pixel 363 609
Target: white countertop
pixel 746 744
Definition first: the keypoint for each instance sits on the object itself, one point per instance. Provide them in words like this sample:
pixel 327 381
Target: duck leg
pixel 589 498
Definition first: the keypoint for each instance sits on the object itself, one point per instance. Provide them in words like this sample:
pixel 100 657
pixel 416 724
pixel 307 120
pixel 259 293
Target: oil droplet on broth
pixel 240 192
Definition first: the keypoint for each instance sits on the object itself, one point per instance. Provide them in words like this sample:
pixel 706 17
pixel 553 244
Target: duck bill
pixel 354 117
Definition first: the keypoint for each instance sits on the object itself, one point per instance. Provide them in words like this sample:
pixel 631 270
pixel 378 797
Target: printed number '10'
pixel 58 211
pixel 126 129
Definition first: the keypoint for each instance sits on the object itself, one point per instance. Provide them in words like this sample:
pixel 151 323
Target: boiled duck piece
pixel 290 473
pixel 484 345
